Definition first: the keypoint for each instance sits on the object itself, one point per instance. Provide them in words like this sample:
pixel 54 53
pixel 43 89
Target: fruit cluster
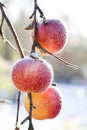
pixel 34 75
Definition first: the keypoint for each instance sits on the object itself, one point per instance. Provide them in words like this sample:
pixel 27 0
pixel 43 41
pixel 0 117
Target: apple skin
pixel 48 103
pixel 52 35
pixel 32 75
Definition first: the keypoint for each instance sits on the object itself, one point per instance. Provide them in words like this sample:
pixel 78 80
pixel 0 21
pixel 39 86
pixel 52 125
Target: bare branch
pixel 30 112
pixel 4 16
pixel 41 13
pixel 37 44
pixel 18 105
pixel 63 61
pixel 29 117
pixel 7 41
pixel 12 30
pixel 10 44
pixel 2 22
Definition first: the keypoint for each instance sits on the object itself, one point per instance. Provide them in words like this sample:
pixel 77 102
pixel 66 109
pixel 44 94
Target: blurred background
pixel 73 83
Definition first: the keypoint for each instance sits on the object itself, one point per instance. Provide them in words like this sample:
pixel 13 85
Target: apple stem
pixel 41 13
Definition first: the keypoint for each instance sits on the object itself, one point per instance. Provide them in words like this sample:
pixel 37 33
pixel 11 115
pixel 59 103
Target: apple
pixel 32 74
pixel 51 34
pixel 47 103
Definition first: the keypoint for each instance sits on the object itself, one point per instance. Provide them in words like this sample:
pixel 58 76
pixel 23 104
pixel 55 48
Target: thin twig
pixel 9 43
pixel 13 31
pixel 2 22
pixel 29 117
pixel 30 112
pixel 35 26
pixel 22 122
pixel 5 40
pixel 58 58
pixel 41 13
pixel 31 15
pixel 2 33
pixel 18 105
pixel 64 62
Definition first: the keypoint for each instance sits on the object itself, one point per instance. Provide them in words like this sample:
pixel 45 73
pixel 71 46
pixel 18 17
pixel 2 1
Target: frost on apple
pixel 47 103
pixel 52 35
pixel 32 74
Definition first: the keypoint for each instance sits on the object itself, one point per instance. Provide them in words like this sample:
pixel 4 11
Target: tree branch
pixel 4 16
pixel 12 30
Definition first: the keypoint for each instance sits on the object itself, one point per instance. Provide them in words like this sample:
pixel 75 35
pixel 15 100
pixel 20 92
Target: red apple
pixel 32 75
pixel 48 103
pixel 52 35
